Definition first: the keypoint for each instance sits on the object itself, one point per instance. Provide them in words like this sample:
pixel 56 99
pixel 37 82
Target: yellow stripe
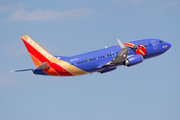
pixel 141 51
pixel 71 68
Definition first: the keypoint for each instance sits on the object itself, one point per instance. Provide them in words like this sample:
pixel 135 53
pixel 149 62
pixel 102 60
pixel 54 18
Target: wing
pixel 121 57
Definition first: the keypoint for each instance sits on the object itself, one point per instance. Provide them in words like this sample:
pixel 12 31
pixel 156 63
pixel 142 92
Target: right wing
pixel 121 57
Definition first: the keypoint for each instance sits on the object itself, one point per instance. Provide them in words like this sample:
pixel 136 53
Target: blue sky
pixel 148 91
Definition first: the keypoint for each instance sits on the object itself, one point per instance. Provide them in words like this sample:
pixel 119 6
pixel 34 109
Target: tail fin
pixel 37 53
pixel 46 63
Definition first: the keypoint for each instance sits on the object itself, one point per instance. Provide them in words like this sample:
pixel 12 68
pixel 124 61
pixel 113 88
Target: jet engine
pixel 133 60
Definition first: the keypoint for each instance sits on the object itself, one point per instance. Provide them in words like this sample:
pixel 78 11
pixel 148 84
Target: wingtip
pixel 120 43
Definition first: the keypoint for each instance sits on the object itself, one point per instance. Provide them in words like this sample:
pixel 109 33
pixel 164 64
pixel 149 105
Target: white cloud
pixel 128 2
pixel 172 4
pixel 11 7
pixel 20 14
pixel 37 15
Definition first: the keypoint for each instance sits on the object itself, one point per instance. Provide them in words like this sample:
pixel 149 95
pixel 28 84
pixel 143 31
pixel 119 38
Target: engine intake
pixel 134 60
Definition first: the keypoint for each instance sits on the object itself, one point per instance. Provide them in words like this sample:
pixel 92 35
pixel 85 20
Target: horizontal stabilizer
pixel 21 70
pixel 41 67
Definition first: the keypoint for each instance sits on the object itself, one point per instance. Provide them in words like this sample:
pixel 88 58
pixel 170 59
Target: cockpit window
pixel 161 41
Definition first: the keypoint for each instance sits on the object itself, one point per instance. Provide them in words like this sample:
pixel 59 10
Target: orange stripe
pixel 36 61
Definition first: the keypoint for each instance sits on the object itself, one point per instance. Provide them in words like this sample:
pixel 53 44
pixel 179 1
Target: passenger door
pixel 155 46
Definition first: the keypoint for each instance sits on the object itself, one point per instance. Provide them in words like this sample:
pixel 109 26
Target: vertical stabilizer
pixel 38 54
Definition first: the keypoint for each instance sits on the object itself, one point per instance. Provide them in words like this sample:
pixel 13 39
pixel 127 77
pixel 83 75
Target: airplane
pixel 102 61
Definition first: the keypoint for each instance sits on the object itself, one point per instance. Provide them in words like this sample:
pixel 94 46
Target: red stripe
pixel 61 70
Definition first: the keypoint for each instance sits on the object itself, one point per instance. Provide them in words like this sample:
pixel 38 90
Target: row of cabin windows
pixel 148 45
pixel 95 58
pixel 102 56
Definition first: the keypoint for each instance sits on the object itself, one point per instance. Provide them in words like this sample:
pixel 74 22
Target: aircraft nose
pixel 166 46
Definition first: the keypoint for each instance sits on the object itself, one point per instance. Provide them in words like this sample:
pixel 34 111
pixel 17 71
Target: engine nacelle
pixel 134 60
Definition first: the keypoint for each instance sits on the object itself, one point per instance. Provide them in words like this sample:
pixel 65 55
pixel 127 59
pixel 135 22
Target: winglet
pixel 121 44
pixel 124 50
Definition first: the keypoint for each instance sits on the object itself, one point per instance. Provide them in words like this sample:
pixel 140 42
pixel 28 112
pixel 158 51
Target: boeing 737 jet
pixel 102 61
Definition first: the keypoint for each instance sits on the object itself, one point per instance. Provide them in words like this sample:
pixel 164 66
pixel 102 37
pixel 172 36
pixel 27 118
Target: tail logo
pixel 38 48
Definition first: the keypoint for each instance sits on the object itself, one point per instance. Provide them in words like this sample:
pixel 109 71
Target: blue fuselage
pixel 94 61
